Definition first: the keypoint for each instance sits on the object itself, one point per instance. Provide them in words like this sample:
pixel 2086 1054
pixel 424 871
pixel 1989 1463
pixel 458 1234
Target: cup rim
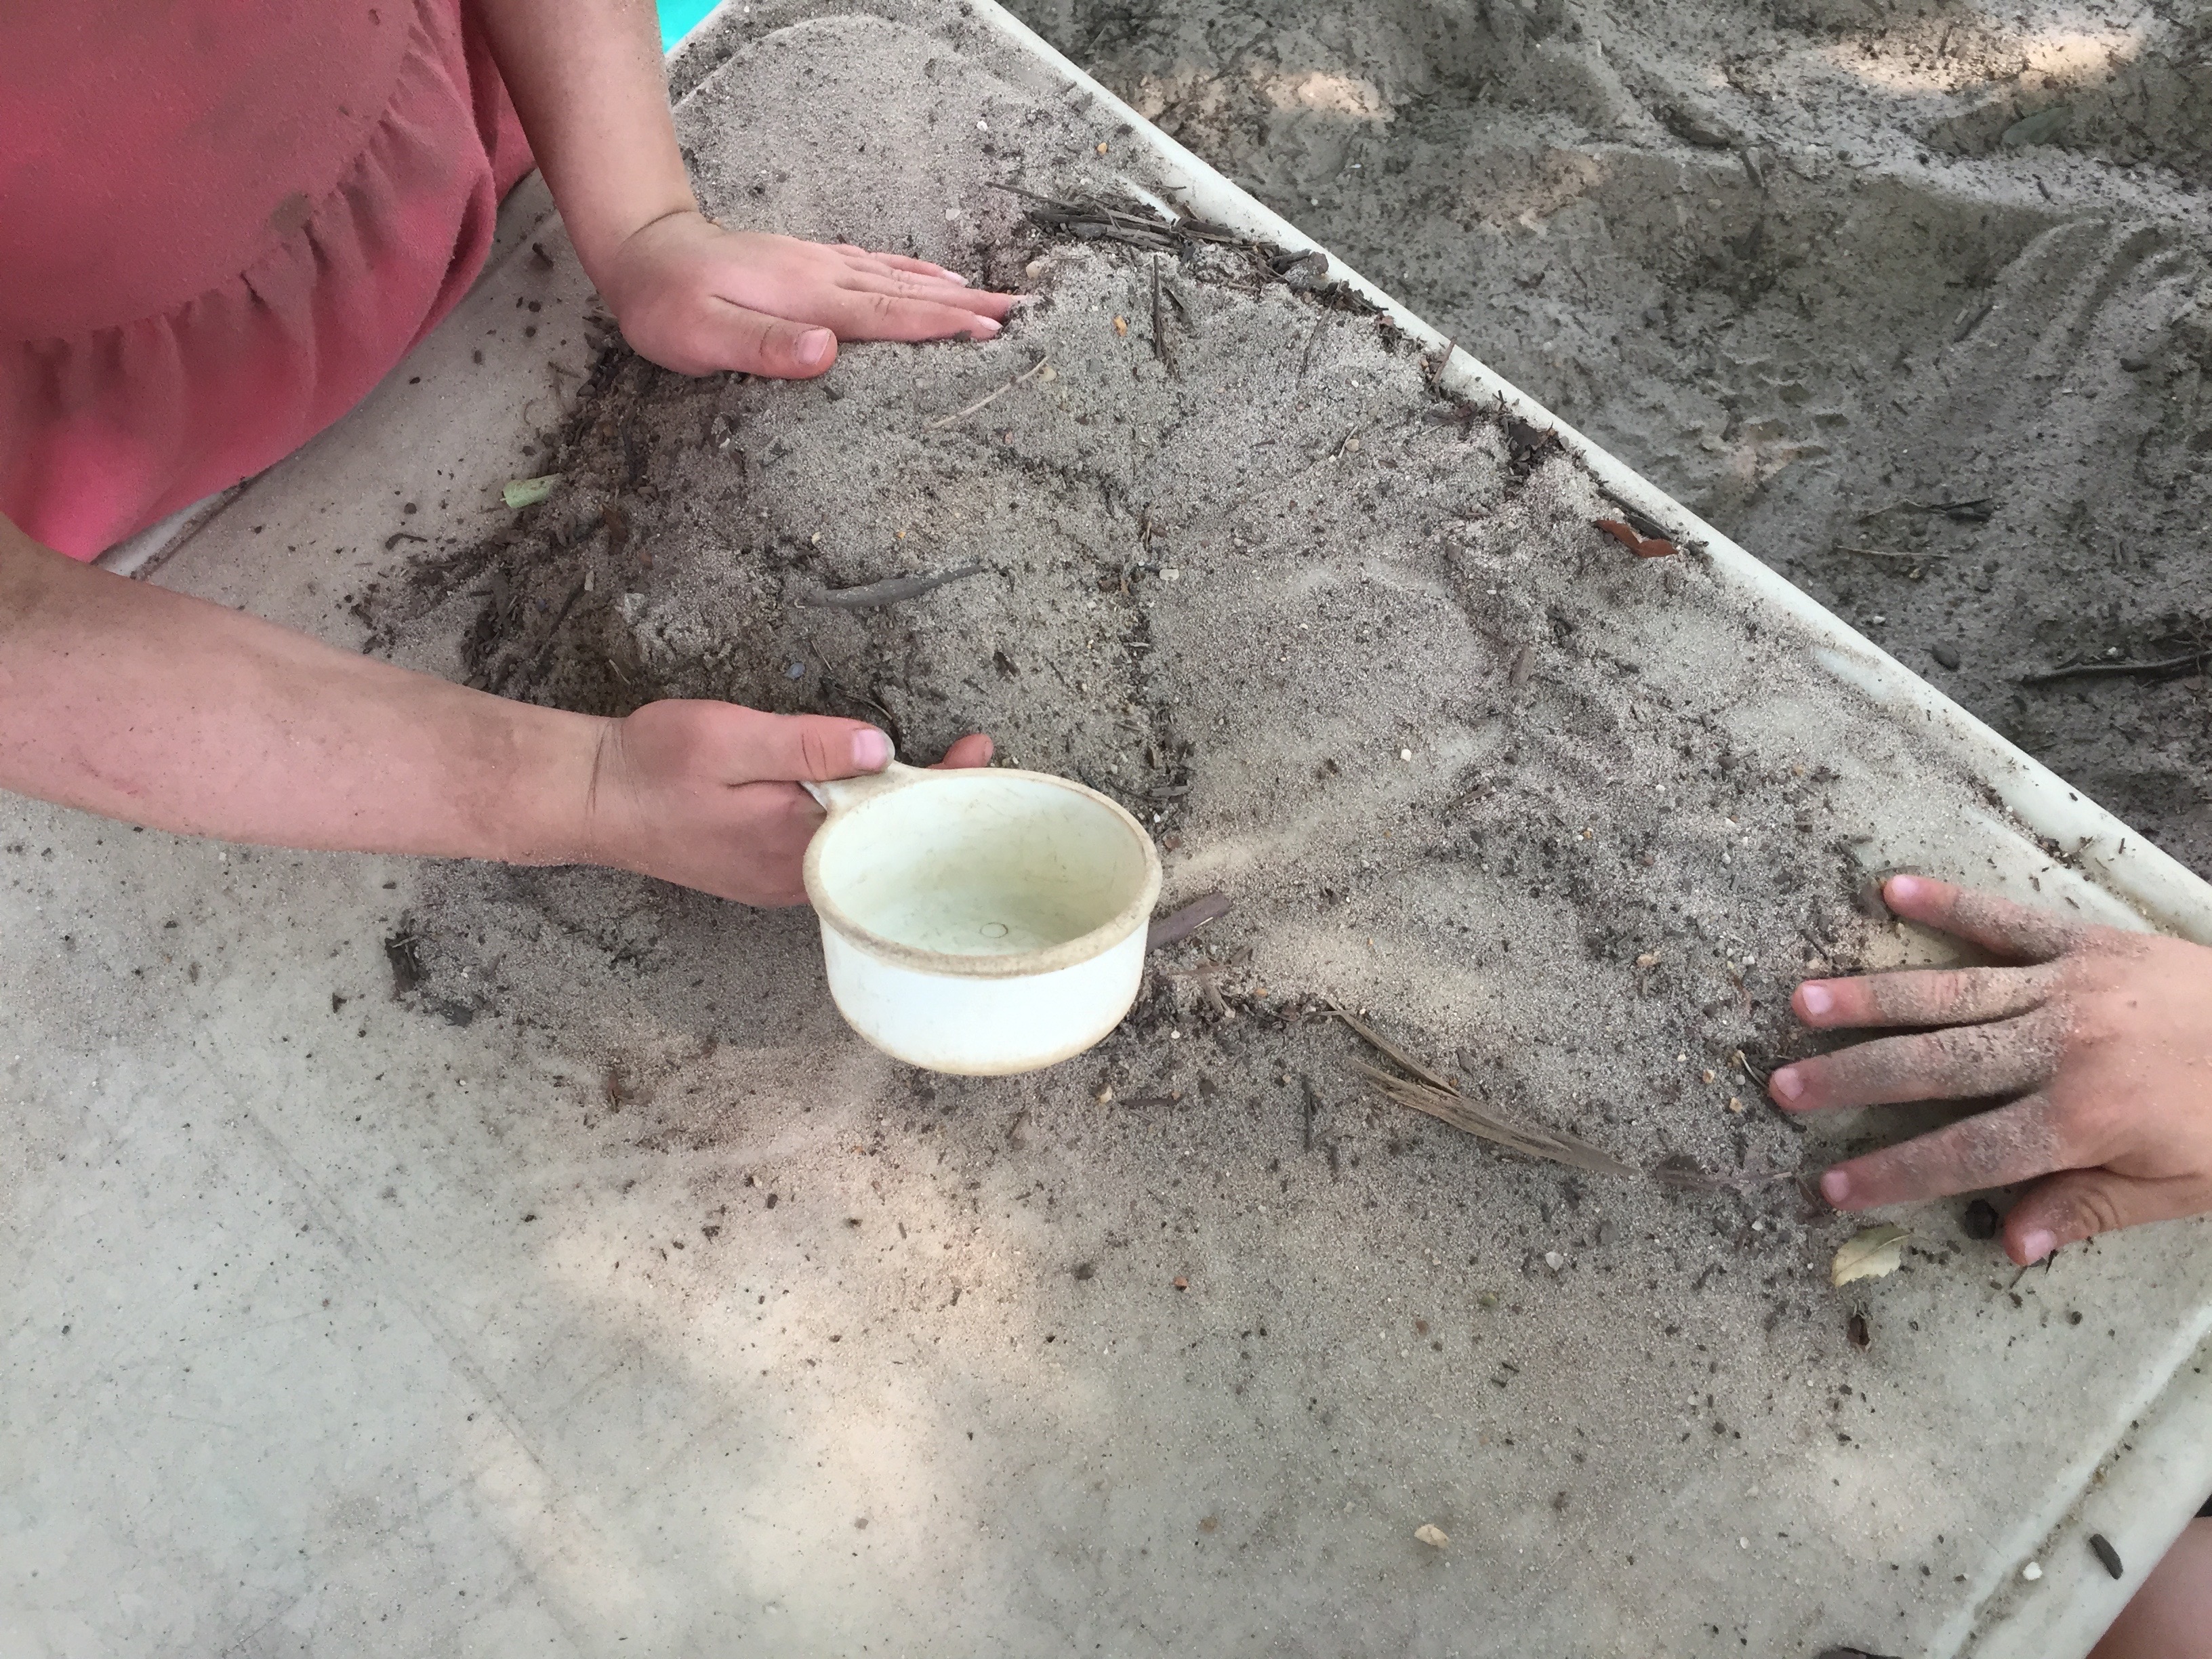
pixel 1022 964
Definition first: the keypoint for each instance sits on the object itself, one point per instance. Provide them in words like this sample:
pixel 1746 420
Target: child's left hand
pixel 698 298
pixel 2100 1042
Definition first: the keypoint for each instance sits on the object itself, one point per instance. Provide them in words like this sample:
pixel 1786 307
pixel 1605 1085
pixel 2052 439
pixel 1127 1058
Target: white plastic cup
pixel 978 921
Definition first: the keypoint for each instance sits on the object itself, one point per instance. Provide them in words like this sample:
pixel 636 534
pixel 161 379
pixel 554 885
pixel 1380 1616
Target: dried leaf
pixel 2039 128
pixel 1875 1253
pixel 1644 547
pixel 528 492
pixel 1433 1535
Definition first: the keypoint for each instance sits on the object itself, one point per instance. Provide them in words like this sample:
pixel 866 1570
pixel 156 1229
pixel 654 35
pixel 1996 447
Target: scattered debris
pixel 1981 1219
pixel 898 589
pixel 1875 1253
pixel 1181 1283
pixel 528 492
pixel 2032 1571
pixel 1856 1328
pixel 1433 1535
pixel 1888 553
pixel 1175 928
pixel 2107 1554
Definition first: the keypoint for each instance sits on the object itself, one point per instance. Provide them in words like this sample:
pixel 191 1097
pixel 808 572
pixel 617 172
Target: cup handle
pixel 836 794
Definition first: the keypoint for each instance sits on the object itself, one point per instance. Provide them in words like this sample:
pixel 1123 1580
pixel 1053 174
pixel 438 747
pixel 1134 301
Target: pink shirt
pixel 221 221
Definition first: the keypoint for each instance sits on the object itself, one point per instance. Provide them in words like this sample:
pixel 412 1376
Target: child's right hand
pixel 704 794
pixel 699 299
pixel 2102 1039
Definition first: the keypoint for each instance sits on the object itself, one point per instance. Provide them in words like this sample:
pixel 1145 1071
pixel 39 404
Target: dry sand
pixel 1566 822
pixel 1549 813
pixel 1798 264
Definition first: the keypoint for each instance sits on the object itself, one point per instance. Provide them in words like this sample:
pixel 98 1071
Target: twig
pixel 1036 367
pixel 2185 663
pixel 1977 510
pixel 875 594
pixel 1161 349
pixel 1440 1099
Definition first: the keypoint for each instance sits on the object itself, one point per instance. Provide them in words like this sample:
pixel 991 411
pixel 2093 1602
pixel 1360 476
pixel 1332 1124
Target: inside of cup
pixel 981 864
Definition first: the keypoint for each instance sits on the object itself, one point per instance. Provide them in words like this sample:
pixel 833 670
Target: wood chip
pixel 875 595
pixel 1180 926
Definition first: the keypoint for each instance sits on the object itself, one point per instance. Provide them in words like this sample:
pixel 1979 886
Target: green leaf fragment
pixel 1875 1253
pixel 528 492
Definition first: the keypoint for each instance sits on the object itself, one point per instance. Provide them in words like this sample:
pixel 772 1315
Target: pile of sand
pixel 1800 264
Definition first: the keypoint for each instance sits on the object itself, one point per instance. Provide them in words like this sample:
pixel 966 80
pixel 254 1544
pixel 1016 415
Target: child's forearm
pixel 588 81
pixel 148 706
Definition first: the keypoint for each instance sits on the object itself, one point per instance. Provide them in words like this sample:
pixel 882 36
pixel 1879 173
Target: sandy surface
pixel 1555 817
pixel 1798 264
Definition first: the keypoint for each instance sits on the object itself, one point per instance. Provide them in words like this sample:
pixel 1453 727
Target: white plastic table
pixel 289 1365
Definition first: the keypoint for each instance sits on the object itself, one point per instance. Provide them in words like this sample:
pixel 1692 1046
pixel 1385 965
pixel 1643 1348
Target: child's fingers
pixel 1995 1148
pixel 1998 926
pixel 1962 1062
pixel 858 315
pixel 743 746
pixel 973 749
pixel 2079 1204
pixel 730 337
pixel 900 286
pixel 1946 996
pixel 897 261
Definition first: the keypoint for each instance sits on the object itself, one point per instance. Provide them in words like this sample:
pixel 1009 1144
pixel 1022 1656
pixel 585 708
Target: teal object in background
pixel 677 17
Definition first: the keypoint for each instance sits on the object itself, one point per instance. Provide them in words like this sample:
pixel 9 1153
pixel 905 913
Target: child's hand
pixel 700 794
pixel 697 299
pixel 2103 1040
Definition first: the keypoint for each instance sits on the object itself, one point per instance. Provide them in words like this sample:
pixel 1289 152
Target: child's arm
pixel 588 78
pixel 148 706
pixel 2102 1038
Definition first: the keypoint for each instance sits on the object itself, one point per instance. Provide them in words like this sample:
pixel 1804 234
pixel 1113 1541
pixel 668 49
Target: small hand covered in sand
pixel 2103 1037
pixel 698 298
pixel 701 793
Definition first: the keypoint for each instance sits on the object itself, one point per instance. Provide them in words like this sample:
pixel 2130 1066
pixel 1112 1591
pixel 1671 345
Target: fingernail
pixel 814 348
pixel 2039 1243
pixel 1814 998
pixel 1835 1187
pixel 952 276
pixel 872 750
pixel 1787 1083
pixel 986 328
pixel 1904 888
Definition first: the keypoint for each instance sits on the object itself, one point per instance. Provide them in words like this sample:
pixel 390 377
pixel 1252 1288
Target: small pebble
pixel 1981 1219
pixel 796 671
pixel 1181 1283
pixel 1433 1535
pixel 2107 1554
pixel 1404 754
pixel 2032 1571
pixel 1554 1261
pixel 1947 656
